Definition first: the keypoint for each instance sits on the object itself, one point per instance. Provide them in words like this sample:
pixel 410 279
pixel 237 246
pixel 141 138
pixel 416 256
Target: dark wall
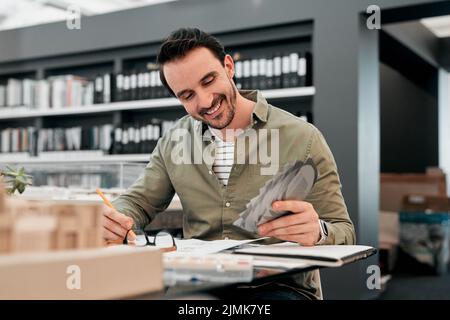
pixel 409 124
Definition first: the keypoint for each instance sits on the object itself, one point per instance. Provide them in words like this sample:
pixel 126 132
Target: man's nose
pixel 204 100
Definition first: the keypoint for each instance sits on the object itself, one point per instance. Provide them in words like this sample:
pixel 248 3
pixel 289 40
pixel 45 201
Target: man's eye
pixel 188 96
pixel 208 80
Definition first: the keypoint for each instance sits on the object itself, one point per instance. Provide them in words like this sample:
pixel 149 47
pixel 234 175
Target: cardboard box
pixel 105 273
pixel 393 187
pixel 421 203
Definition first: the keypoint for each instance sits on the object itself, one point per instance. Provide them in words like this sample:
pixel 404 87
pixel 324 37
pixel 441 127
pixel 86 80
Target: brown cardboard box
pixel 426 203
pixel 394 187
pixel 105 273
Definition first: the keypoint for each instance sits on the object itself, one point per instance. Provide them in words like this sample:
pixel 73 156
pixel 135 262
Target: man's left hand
pixel 301 226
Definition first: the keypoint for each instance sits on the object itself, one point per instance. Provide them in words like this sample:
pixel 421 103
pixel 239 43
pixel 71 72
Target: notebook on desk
pixel 326 255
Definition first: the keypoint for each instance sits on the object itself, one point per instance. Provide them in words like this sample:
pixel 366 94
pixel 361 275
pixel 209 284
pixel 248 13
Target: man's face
pixel 204 86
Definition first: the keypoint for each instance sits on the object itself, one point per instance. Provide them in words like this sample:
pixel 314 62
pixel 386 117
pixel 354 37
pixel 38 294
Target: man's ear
pixel 229 66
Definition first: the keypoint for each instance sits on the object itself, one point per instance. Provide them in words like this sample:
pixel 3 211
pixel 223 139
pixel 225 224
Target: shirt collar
pixel 261 109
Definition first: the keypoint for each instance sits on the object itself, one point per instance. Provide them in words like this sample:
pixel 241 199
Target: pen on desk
pixel 100 193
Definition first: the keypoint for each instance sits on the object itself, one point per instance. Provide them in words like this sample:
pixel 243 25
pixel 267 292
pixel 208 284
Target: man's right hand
pixel 116 226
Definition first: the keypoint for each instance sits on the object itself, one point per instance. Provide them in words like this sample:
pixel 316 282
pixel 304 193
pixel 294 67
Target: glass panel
pixel 78 180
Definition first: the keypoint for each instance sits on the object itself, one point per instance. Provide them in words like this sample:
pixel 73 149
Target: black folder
pixel 321 255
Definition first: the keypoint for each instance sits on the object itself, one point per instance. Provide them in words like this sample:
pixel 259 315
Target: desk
pixel 209 290
pixel 263 275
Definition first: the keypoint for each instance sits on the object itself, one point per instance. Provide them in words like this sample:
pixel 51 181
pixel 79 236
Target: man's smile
pixel 214 111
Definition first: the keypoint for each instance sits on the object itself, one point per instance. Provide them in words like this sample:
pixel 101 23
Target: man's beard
pixel 227 115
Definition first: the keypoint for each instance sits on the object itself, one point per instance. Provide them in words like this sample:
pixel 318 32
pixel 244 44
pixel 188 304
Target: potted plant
pixel 15 179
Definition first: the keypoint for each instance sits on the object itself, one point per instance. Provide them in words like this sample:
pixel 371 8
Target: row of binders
pixel 129 139
pixel 52 93
pixel 71 91
pixel 281 71
pixel 67 91
pixel 139 138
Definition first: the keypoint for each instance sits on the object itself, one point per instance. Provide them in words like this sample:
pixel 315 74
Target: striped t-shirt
pixel 223 160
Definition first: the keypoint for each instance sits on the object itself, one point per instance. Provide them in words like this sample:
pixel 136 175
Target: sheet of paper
pixel 200 247
pixel 196 246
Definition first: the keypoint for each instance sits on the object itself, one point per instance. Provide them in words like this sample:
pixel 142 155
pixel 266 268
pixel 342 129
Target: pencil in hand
pixel 108 203
pixel 100 193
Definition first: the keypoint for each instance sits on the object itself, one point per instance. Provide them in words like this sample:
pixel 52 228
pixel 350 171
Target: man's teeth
pixel 214 109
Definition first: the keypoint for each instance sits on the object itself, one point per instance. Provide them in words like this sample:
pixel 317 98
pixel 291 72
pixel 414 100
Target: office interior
pixel 375 82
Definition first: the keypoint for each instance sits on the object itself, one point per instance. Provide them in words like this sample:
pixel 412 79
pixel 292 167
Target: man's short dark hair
pixel 182 41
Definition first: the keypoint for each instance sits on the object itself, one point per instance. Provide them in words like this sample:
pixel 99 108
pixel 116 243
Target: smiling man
pixel 195 69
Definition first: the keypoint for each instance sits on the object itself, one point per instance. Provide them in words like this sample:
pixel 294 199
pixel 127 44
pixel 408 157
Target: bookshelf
pixel 26 112
pixel 111 102
pixel 103 126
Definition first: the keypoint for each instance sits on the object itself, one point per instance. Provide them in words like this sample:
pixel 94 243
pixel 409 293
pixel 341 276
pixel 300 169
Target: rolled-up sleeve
pixel 150 194
pixel 326 195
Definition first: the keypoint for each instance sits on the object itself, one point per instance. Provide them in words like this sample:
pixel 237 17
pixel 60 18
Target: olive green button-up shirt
pixel 181 163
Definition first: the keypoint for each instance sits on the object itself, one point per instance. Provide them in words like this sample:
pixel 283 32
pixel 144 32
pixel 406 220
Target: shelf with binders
pixel 100 132
pixel 95 138
pixel 282 67
pixel 80 89
pixel 16 88
pixel 133 140
pixel 274 64
pixel 21 112
pixel 85 110
pixel 55 88
pixel 86 89
pixel 283 71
